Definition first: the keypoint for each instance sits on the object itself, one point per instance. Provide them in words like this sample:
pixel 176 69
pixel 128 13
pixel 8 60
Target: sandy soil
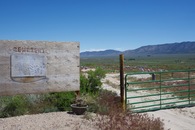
pixel 47 121
pixel 177 119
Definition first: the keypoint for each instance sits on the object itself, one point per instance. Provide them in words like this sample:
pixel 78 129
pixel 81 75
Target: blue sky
pixel 99 24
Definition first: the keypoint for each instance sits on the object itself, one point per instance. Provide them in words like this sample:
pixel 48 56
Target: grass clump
pixel 17 105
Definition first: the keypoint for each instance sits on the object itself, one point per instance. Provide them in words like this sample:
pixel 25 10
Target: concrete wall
pixel 39 67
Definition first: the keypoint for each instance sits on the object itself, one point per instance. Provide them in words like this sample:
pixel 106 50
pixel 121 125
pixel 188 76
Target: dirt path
pixel 177 119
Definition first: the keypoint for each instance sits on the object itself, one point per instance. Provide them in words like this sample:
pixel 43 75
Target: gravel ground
pixel 47 121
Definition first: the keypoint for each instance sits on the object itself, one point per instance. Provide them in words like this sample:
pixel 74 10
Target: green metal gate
pixel 150 91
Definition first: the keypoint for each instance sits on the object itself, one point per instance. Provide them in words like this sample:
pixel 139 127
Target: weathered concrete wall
pixel 38 67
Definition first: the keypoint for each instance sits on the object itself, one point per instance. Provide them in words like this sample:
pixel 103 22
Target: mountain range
pixel 168 48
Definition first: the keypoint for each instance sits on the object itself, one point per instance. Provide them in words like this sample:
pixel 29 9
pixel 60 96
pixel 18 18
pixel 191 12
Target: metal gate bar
pixel 166 89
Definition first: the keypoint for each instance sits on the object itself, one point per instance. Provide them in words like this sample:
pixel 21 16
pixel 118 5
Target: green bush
pixel 84 84
pixel 18 105
pixel 92 82
pixel 33 103
pixel 59 101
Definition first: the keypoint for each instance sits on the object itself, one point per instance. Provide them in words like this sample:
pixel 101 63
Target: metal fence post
pixel 189 87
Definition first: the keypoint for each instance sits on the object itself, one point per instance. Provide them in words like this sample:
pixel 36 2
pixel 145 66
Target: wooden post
pixel 122 80
pixel 77 93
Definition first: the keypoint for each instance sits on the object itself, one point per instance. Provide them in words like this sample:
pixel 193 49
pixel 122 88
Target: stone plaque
pixel 28 65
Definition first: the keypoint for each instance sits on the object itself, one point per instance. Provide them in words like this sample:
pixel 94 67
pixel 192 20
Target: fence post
pixel 189 87
pixel 122 80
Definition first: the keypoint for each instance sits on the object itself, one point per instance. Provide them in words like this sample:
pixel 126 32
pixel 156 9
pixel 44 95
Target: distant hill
pixel 169 48
pixel 100 53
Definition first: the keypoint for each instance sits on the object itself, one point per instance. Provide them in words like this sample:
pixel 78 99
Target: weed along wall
pixel 38 67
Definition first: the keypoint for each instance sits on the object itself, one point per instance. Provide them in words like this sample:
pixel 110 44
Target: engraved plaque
pixel 28 65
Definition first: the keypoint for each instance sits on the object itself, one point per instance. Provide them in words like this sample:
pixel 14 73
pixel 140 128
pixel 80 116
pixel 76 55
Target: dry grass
pixel 115 118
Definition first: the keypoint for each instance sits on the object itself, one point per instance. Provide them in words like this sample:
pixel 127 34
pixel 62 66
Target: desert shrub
pixel 102 102
pixel 91 101
pixel 91 83
pixel 17 105
pixel 84 84
pixel 59 101
pixel 106 100
pixel 40 104
pixel 4 100
pixel 95 77
pixel 115 118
